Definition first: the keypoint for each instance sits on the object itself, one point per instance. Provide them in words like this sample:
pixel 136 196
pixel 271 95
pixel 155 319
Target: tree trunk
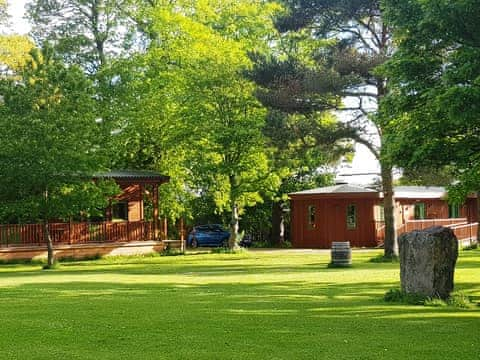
pixel 477 217
pixel 234 226
pixel 278 224
pixel 391 244
pixel 48 239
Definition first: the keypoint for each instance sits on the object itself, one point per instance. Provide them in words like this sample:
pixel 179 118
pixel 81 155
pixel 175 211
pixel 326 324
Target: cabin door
pixel 336 223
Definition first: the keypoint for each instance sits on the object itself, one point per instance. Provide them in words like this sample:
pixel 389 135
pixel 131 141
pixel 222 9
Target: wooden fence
pixel 76 233
pixel 460 226
pixel 411 225
pixel 466 232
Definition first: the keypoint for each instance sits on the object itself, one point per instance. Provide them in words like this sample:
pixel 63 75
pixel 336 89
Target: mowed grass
pixel 274 305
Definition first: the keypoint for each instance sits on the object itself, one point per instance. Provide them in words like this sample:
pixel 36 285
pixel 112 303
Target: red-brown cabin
pixel 355 214
pixel 135 184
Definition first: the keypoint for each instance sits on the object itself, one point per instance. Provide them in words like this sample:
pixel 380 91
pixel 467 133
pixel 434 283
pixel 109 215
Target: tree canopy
pixel 50 148
pixel 432 111
pixel 335 70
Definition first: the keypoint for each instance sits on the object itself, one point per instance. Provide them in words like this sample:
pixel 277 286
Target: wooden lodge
pixel 124 228
pixel 353 213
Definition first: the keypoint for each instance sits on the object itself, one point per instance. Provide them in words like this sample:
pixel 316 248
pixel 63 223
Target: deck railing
pixel 466 232
pixel 411 225
pixel 460 226
pixel 76 233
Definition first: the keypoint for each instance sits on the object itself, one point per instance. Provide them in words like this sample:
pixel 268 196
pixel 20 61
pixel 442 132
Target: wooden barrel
pixel 341 253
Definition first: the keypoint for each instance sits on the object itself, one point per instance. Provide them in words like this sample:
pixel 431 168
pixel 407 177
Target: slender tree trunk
pixel 477 217
pixel 48 239
pixel 391 243
pixel 278 225
pixel 234 226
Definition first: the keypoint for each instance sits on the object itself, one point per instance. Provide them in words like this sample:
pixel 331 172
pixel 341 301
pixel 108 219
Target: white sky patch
pixel 18 25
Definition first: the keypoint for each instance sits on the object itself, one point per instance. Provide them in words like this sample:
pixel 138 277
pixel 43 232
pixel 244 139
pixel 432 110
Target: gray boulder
pixel 427 261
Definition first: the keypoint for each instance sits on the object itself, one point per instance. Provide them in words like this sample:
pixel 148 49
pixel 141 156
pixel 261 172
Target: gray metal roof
pixel 132 175
pixel 403 192
pixel 420 192
pixel 335 189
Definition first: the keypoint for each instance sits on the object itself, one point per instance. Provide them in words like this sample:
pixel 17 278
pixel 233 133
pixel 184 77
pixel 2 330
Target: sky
pixel 363 162
pixel 17 9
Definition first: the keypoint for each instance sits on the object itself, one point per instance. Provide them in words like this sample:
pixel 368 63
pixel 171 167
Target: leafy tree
pixel 303 145
pixel 186 110
pixel 305 138
pixel 428 176
pixel 14 49
pixel 14 53
pixel 50 147
pixel 84 32
pixel 432 111
pixel 3 11
pixel 348 41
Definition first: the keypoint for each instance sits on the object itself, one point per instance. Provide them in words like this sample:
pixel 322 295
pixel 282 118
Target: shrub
pixel 169 251
pixel 457 300
pixel 65 259
pixel 471 247
pixel 398 296
pixel 384 259
pixel 223 250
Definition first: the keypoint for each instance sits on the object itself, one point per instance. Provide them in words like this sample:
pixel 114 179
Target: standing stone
pixel 427 261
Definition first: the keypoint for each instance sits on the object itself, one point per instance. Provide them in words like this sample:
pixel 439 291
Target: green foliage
pixel 182 107
pixel 431 112
pixel 227 250
pixel 456 299
pixel 85 32
pixel 169 251
pixel 471 247
pixel 427 176
pixel 3 11
pixel 14 52
pixel 54 266
pixel 50 143
pixel 385 259
pixel 398 296
pixel 347 43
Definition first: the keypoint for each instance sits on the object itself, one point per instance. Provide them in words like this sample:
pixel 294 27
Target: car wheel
pixel 225 243
pixel 194 243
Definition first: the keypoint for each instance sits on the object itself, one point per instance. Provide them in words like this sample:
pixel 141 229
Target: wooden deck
pixel 464 231
pixel 77 233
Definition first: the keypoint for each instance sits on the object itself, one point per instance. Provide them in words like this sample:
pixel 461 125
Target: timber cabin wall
pixel 132 194
pixel 330 222
pixel 434 209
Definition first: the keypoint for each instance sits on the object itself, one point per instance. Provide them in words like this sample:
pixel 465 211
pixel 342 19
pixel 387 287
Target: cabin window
pixel 419 211
pixel 379 213
pixel 120 211
pixel 351 217
pixel 311 217
pixel 453 211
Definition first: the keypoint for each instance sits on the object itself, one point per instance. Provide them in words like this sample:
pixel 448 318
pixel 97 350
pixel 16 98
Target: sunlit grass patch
pixel 253 305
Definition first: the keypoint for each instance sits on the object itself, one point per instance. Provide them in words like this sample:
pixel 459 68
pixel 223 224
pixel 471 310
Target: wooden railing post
pixel 155 212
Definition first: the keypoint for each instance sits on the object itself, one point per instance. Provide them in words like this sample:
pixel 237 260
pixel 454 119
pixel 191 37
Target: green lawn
pixel 279 305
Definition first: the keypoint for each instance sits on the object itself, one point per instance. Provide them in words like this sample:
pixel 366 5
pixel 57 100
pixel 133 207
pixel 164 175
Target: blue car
pixel 208 235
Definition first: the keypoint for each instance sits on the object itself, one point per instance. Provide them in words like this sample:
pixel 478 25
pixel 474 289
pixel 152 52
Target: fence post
pixel 470 229
pixel 70 231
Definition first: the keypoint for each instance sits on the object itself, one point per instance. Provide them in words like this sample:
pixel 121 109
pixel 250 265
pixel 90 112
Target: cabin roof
pixel 336 189
pixel 401 192
pixel 133 175
pixel 420 192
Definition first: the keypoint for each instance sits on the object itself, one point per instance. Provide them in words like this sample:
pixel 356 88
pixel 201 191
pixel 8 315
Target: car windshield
pixel 212 227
